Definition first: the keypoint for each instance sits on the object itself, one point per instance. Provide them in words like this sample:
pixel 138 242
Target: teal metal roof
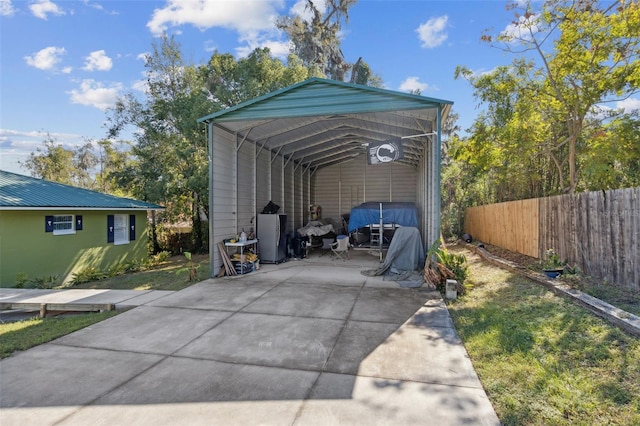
pixel 319 122
pixel 317 96
pixel 20 192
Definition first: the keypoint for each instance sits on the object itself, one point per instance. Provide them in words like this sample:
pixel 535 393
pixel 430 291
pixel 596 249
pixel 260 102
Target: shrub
pixel 22 278
pixel 442 265
pixel 88 275
pixel 160 257
pixel 46 282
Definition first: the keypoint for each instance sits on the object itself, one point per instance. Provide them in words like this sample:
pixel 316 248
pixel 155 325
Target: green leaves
pixel 544 130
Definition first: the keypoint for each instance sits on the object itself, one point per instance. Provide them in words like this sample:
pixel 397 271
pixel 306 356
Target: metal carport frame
pixel 271 147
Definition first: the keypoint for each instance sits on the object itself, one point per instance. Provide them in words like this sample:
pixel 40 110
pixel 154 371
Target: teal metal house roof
pixel 18 192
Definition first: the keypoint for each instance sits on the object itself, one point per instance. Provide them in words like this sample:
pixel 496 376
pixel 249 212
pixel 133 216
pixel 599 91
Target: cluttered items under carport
pixel 405 259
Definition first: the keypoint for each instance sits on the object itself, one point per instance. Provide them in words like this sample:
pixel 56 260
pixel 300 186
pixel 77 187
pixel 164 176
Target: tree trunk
pixel 197 227
pixel 154 234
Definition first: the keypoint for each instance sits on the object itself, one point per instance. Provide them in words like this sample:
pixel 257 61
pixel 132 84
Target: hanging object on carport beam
pixel 384 152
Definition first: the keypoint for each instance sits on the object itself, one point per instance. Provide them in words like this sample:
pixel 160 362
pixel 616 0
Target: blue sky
pixel 63 63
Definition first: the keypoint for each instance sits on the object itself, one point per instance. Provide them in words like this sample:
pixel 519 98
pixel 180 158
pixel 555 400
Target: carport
pixel 307 144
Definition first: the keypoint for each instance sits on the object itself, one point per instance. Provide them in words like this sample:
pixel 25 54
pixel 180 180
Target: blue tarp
pixel 403 214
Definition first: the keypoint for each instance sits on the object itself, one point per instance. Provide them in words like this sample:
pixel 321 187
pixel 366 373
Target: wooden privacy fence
pixel 599 232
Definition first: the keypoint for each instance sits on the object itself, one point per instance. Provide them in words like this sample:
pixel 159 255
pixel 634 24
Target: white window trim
pixel 120 230
pixel 70 231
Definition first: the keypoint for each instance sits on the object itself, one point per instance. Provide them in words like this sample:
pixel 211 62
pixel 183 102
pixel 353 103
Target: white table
pixel 242 245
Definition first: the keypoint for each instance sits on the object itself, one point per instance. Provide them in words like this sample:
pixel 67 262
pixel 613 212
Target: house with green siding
pixel 50 229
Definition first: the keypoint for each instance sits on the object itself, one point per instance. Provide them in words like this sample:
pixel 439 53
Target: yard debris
pixel 436 274
pixel 228 265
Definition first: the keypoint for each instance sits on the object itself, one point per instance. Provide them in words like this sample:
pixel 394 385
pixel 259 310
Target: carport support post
pixel 212 244
pixel 438 191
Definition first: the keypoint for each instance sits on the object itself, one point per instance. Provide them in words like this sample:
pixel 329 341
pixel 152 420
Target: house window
pixel 60 224
pixel 120 229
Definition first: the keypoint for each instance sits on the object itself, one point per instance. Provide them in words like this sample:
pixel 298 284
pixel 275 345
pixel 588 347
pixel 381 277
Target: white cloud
pixel 98 61
pixel 279 49
pixel 410 84
pixel 243 16
pixel 433 32
pixel 47 58
pixel 629 105
pixel 6 8
pixel 95 94
pixel 99 7
pixel 41 8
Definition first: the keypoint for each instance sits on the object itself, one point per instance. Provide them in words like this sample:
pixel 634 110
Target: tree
pixel 84 162
pixel 317 41
pixel 53 162
pixel 112 161
pixel 570 58
pixel 169 156
pixel 229 81
pixel 169 162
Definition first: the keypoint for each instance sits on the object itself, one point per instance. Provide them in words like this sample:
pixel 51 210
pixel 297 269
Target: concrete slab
pixel 77 296
pixel 352 400
pixel 177 380
pixel 147 329
pixel 320 301
pixel 143 299
pixel 237 413
pixel 81 296
pixel 379 282
pixel 421 354
pixel 433 313
pixel 390 305
pixel 357 340
pixel 226 295
pixel 9 295
pixel 52 375
pixel 297 344
pixel 333 275
pixel 273 273
pixel 268 340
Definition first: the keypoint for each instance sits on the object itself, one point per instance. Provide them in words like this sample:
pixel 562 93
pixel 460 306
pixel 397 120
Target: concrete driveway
pixel 310 342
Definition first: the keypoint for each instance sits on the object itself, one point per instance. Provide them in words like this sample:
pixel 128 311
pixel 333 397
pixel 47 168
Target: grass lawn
pixel 542 359
pixel 625 298
pixel 173 274
pixel 22 335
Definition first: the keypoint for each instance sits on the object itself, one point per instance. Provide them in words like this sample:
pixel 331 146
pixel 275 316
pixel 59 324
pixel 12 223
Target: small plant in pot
pixel 552 265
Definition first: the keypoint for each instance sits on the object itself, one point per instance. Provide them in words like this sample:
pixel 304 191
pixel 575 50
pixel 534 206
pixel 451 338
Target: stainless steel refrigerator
pixel 272 237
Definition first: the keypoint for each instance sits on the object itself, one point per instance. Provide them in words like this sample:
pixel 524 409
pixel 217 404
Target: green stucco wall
pixel 25 247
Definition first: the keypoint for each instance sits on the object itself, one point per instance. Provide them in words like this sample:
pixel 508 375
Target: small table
pixel 242 245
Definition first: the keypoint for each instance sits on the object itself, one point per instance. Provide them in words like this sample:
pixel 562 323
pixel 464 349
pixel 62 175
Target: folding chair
pixel 340 248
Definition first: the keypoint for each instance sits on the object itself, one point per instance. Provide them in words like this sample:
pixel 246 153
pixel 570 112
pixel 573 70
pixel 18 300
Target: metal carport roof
pixel 319 122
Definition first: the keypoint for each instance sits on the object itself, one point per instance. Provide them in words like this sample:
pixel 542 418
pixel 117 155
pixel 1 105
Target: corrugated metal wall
pixel 245 192
pixel 428 193
pixel 346 185
pixel 221 191
pixel 263 179
pixel 245 179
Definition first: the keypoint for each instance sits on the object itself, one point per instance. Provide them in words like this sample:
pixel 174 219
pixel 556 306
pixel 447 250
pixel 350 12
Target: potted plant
pixel 552 265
